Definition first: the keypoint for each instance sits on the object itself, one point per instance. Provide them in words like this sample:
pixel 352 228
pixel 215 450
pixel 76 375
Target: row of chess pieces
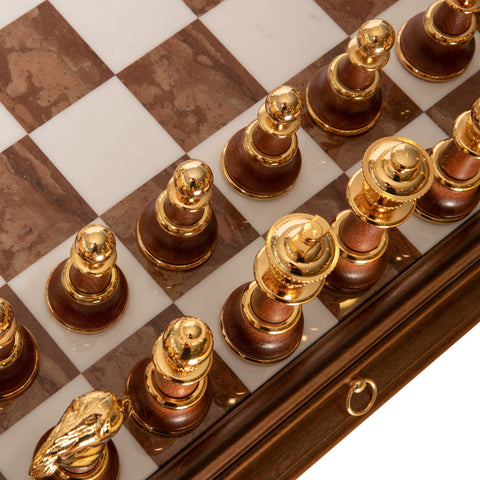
pixel 261 321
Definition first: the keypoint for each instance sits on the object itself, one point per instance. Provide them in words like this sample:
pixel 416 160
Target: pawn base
pixel 253 178
pixel 16 377
pixel 85 317
pixel 252 344
pixel 158 418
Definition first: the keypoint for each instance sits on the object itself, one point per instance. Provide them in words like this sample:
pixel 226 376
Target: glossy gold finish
pixel 467 6
pixel 466 130
pixel 78 441
pixel 300 251
pixel 358 386
pixel 395 172
pixel 8 328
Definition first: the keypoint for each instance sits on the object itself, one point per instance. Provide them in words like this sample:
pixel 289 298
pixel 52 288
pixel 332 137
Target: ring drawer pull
pixel 358 386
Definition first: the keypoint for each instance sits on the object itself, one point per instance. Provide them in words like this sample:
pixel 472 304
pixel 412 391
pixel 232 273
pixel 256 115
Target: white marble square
pixel 121 31
pixel 423 130
pixel 274 39
pixel 106 144
pixel 12 9
pixel 146 299
pixel 10 130
pixel 318 170
pixel 209 300
pixel 423 93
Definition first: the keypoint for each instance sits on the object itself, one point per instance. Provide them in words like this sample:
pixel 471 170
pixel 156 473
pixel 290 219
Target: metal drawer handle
pixel 358 386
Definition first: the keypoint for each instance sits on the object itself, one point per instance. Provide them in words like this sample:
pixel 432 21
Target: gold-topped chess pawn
pixel 439 44
pixel 178 229
pixel 19 357
pixel 455 191
pixel 80 446
pixel 382 194
pixel 262 321
pixel 263 160
pixel 88 292
pixel 170 391
pixel 345 97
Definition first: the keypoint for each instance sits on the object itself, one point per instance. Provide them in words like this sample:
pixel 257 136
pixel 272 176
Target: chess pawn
pixel 170 391
pixel 263 159
pixel 88 292
pixel 455 191
pixel 262 321
pixel 345 97
pixel 178 229
pixel 382 194
pixel 80 446
pixel 439 44
pixel 19 357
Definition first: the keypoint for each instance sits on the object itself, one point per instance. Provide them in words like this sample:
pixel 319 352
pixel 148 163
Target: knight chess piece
pixel 263 160
pixel 80 446
pixel 439 44
pixel 345 97
pixel 178 229
pixel 170 390
pixel 382 194
pixel 455 191
pixel 262 321
pixel 19 358
pixel 88 292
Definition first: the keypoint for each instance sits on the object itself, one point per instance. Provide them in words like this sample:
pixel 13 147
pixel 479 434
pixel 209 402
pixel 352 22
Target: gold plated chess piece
pixel 262 321
pixel 19 358
pixel 382 194
pixel 178 229
pixel 455 191
pixel 263 160
pixel 79 447
pixel 439 44
pixel 88 292
pixel 345 97
pixel 170 390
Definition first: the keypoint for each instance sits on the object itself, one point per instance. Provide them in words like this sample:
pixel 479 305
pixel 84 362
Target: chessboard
pixel 99 101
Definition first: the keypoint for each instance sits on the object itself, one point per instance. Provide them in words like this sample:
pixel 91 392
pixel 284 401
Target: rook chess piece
pixel 178 230
pixel 439 44
pixel 88 292
pixel 263 159
pixel 170 391
pixel 262 321
pixel 345 97
pixel 395 172
pixel 19 357
pixel 455 191
pixel 79 447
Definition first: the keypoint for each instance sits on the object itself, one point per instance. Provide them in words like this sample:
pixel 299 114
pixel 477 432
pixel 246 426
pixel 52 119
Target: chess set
pixel 129 124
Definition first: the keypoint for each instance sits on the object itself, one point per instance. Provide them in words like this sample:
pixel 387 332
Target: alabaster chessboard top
pixel 105 120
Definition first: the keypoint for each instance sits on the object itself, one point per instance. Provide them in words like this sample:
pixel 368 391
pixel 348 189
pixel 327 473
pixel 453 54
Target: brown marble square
pixel 111 373
pixel 2 477
pixel 398 110
pixel 45 66
pixel 199 7
pixel 55 369
pixel 192 85
pixel 38 207
pixel 445 111
pixel 234 233
pixel 353 13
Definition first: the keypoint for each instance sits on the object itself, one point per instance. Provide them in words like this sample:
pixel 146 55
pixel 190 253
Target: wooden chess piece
pixel 170 391
pixel 345 97
pixel 178 229
pixel 80 446
pixel 88 292
pixel 19 356
pixel 455 191
pixel 262 321
pixel 382 194
pixel 263 160
pixel 439 44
